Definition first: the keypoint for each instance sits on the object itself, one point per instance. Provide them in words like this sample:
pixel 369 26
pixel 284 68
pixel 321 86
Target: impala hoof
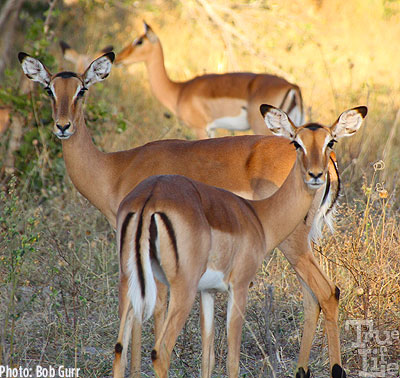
pixel 302 374
pixel 338 372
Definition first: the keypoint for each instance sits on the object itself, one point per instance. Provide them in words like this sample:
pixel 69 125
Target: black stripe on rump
pixel 152 239
pixel 124 226
pixel 171 233
pixel 137 245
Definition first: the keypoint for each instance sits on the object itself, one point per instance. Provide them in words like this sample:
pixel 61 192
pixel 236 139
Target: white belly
pixel 212 280
pixel 238 123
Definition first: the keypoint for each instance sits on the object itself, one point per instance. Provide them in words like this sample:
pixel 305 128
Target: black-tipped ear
pixel 264 108
pixel 64 46
pixel 363 110
pixel 110 55
pixel 22 56
pixel 99 69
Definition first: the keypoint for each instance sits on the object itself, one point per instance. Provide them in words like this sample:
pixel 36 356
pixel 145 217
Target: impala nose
pixel 63 128
pixel 315 175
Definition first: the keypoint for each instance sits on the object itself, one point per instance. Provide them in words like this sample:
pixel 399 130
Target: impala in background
pixel 251 166
pixel 214 101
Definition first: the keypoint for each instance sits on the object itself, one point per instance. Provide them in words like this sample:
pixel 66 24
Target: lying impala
pixel 251 166
pixel 195 237
pixel 208 102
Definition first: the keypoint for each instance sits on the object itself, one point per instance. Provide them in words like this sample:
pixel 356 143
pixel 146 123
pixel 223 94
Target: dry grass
pixel 64 306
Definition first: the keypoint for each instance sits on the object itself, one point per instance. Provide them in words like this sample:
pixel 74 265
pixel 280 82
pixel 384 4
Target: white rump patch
pixel 142 307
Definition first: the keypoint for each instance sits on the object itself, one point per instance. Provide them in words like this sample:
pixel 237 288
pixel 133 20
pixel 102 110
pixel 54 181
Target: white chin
pixel 314 185
pixel 62 136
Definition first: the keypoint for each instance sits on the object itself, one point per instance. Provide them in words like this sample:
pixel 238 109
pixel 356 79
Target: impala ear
pixel 34 69
pixel 99 69
pixel 278 121
pixel 349 122
pixel 152 37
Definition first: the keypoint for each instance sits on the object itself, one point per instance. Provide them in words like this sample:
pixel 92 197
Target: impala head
pixel 313 141
pixel 66 89
pixel 140 49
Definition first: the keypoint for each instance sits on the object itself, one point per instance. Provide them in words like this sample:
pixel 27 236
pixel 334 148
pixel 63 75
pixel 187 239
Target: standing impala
pixel 208 102
pixel 195 237
pixel 251 166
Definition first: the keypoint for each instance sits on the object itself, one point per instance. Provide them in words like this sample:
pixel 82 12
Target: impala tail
pixel 136 249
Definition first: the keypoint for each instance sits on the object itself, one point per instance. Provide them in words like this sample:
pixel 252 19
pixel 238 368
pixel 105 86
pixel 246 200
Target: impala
pixel 208 102
pixel 251 166
pixel 81 61
pixel 195 237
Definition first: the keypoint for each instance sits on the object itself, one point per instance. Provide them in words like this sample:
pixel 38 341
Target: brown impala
pixel 252 166
pixel 208 102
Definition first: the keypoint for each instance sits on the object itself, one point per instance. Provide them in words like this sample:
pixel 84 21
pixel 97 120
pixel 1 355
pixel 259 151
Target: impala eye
pixel 82 92
pixel 295 144
pixel 139 41
pixel 49 91
pixel 331 143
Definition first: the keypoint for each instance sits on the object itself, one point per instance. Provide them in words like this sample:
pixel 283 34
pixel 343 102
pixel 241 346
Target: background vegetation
pixel 58 268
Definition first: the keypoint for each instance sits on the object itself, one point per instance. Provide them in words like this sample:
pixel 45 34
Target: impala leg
pixel 235 318
pixel 207 333
pixel 327 295
pixel 181 302
pixel 312 310
pixel 319 291
pixel 136 348
pixel 161 308
pixel 121 347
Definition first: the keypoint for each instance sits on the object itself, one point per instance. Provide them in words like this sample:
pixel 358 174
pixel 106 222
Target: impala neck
pixel 285 209
pixel 90 169
pixel 166 90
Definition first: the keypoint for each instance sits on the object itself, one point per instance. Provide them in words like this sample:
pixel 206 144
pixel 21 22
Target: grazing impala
pixel 195 237
pixel 251 166
pixel 208 102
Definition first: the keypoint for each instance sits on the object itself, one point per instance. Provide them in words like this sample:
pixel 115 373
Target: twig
pixel 46 26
